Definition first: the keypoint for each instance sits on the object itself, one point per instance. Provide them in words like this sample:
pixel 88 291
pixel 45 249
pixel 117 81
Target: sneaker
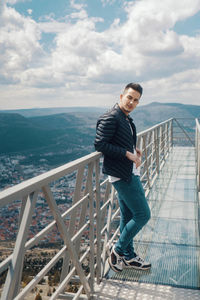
pixel 115 261
pixel 137 263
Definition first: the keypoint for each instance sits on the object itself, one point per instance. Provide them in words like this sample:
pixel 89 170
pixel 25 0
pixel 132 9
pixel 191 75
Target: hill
pixel 35 112
pixel 69 135
pixel 153 113
pixel 63 133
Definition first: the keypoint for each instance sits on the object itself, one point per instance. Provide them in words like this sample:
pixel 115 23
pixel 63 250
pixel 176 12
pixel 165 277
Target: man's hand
pixel 134 157
pixel 139 152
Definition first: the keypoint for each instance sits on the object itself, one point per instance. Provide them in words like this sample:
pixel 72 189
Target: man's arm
pixel 106 128
pixel 134 157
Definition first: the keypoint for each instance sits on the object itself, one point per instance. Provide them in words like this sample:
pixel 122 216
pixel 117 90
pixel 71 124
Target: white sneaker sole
pixel 137 268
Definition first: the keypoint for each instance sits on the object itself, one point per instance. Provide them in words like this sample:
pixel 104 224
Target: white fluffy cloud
pixel 144 48
pixel 19 44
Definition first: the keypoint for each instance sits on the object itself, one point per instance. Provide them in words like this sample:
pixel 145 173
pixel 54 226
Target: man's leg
pixel 125 217
pixel 133 196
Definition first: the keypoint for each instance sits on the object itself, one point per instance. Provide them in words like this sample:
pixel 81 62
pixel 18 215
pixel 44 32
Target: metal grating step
pixel 175 265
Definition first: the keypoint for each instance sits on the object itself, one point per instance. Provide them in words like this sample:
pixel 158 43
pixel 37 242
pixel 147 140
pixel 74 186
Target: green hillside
pixel 48 133
pixel 71 135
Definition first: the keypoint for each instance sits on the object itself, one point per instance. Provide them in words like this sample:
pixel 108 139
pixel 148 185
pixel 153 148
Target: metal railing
pixel 87 227
pixel 197 147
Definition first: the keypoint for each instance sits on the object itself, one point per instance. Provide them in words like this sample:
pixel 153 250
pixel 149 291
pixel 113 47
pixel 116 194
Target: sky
pixel 60 53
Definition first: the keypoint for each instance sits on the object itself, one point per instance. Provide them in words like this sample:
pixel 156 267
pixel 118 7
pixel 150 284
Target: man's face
pixel 129 100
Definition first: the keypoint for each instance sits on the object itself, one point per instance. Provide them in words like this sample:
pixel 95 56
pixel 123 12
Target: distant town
pixel 13 173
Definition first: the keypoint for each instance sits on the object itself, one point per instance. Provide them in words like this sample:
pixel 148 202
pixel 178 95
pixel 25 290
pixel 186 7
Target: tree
pixel 56 277
pixel 49 292
pixel 38 297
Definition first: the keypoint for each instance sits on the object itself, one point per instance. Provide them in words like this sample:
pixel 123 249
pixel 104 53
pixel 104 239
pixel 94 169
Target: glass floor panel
pixel 180 183
pixel 166 194
pixel 169 231
pixel 175 210
pixel 178 209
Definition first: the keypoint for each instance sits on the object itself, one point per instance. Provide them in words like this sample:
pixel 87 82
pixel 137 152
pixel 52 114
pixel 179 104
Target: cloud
pixel 76 5
pixel 19 44
pixel 107 2
pixel 53 26
pixel 180 87
pixel 29 11
pixel 12 2
pixel 82 14
pixel 144 48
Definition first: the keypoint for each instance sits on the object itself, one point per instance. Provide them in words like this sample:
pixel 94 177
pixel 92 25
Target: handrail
pixel 30 185
pixel 90 200
pixel 197 147
pixel 154 127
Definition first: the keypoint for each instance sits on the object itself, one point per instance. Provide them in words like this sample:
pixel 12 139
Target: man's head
pixel 130 97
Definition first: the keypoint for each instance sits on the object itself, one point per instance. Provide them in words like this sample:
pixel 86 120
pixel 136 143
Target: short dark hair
pixel 135 86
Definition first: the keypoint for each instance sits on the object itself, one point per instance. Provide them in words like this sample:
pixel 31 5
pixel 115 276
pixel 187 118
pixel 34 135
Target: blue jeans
pixel 134 213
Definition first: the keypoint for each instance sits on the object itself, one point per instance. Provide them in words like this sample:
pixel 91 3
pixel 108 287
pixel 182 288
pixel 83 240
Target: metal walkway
pixel 87 228
pixel 170 240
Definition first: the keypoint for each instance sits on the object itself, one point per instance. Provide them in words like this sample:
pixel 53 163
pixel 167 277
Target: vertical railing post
pixel 71 230
pixel 66 238
pixel 150 154
pixel 165 140
pixel 197 147
pixel 172 132
pixel 14 272
pixel 161 142
pixel 98 222
pixel 146 161
pixel 198 161
pixel 91 233
pixel 107 233
pixel 22 209
pixel 197 155
pixel 156 143
pixel 168 138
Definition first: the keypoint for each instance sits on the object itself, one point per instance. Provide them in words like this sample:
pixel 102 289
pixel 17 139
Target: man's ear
pixel 121 96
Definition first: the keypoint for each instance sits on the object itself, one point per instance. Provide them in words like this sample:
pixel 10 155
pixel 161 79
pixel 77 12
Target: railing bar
pixel 114 215
pixel 67 279
pixel 36 183
pixel 153 127
pixel 108 224
pixel 104 182
pixel 5 264
pixel 84 206
pixel 105 204
pixel 43 272
pixel 106 197
pixel 98 222
pixel 66 238
pixel 184 131
pixel 78 293
pixel 71 229
pixel 14 272
pixel 40 275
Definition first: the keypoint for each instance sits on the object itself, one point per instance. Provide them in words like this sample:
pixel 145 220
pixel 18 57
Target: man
pixel 116 139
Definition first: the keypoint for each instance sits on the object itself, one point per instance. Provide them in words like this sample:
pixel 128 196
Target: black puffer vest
pixel 113 139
